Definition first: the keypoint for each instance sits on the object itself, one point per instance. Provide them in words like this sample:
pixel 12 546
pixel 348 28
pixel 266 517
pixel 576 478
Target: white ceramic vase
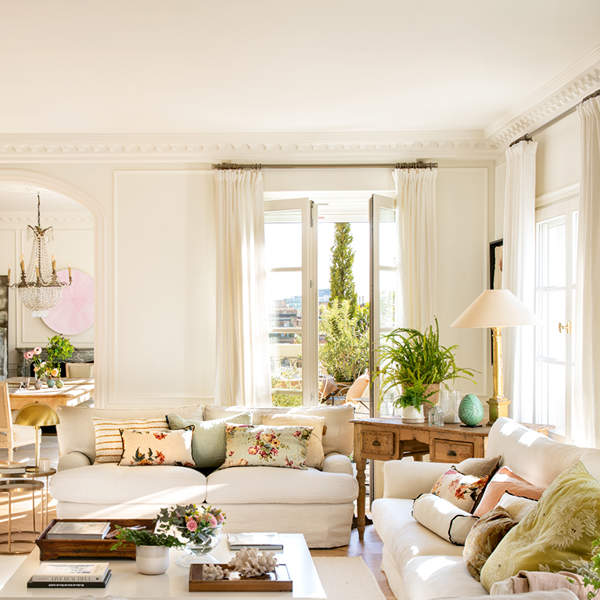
pixel 410 414
pixel 152 560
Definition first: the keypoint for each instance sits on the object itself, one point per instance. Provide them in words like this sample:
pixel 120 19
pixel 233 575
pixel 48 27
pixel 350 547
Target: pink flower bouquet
pixel 196 526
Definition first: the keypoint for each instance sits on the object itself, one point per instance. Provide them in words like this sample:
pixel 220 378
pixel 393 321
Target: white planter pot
pixel 410 414
pixel 152 560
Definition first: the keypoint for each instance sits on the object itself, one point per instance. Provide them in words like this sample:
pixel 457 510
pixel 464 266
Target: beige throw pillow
pixel 109 444
pixel 314 451
pixel 480 467
pixel 145 448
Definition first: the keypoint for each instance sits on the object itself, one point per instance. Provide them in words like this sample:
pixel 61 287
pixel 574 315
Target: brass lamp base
pixel 498 407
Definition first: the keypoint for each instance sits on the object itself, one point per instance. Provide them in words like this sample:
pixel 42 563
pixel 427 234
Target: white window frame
pixel 310 321
pixel 564 203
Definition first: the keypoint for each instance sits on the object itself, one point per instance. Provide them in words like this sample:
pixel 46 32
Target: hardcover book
pixel 80 530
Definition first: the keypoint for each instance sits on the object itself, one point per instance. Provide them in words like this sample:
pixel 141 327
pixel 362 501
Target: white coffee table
pixel 126 582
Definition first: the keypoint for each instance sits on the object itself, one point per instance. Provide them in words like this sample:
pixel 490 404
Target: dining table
pixel 75 391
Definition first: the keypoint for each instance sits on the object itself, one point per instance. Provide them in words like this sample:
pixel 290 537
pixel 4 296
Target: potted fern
pixel 417 364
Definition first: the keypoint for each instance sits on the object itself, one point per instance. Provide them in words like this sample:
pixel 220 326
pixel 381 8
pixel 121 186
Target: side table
pixel 19 486
pixel 35 473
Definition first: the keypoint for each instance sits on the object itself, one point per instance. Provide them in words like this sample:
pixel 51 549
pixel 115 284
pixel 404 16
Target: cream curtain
pixel 519 275
pixel 584 413
pixel 242 347
pixel 416 198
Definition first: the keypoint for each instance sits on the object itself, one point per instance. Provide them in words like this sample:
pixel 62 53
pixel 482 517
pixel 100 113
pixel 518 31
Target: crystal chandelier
pixel 39 286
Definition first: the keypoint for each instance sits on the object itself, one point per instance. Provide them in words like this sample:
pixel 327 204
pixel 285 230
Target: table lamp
pixel 496 309
pixel 37 415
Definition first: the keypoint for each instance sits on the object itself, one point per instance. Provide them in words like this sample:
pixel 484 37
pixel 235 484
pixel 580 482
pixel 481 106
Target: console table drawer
pixel 451 451
pixel 378 443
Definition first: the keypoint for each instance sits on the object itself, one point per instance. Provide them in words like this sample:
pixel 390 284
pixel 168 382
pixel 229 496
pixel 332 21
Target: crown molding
pixel 258 147
pixel 548 102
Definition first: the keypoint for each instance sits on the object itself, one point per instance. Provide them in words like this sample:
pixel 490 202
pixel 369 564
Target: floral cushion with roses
pixel 266 446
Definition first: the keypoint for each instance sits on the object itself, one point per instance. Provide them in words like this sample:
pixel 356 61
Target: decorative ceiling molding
pixel 561 94
pixel 210 147
pixel 65 219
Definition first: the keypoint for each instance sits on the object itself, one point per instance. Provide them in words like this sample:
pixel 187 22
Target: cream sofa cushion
pixel 339 436
pixel 271 485
pixel 76 428
pixel 110 484
pixel 314 450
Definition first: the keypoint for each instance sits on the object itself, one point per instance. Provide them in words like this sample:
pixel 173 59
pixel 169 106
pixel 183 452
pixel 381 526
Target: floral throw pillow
pixel 149 448
pixel 264 446
pixel 462 490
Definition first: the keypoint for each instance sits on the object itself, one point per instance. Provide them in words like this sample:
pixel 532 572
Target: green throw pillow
pixel 557 535
pixel 208 441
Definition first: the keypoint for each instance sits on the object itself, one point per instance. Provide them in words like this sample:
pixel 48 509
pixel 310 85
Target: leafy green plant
pixel 144 537
pixel 591 571
pixel 414 361
pixel 341 278
pixel 59 350
pixel 345 353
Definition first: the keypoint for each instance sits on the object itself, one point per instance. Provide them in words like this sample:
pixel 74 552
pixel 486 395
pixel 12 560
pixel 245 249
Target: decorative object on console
pixel 470 410
pixel 483 538
pixel 109 443
pixel 503 481
pixel 145 448
pixel 37 415
pixel 40 287
pixel 443 518
pixel 461 490
pixel 314 450
pixel 496 309
pixel 208 439
pixel 417 363
pixel 449 402
pixel 284 446
pixel 74 312
pixel 557 535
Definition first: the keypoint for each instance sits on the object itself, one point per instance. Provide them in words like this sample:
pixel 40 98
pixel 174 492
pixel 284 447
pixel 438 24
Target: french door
pixel 556 258
pixel 384 301
pixel 290 251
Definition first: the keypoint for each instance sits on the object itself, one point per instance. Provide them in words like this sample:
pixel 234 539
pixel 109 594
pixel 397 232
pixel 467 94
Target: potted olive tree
pixel 415 364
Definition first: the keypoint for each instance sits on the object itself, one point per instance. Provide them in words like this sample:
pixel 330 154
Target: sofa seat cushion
pixel 272 485
pixel 402 536
pixel 439 576
pixel 110 484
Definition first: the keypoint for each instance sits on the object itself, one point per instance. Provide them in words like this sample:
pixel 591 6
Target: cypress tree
pixel 341 279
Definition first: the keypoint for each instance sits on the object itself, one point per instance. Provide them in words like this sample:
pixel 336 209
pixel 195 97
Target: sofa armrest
pixel 407 478
pixel 337 463
pixel 71 460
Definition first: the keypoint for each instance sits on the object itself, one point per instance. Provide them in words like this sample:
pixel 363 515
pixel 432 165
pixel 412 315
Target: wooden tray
pixel 75 549
pixel 276 581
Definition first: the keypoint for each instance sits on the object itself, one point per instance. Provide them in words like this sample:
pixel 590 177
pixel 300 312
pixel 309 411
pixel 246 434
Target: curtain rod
pixel 528 136
pixel 225 166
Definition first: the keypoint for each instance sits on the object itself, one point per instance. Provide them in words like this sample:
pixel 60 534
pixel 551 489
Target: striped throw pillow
pixel 109 443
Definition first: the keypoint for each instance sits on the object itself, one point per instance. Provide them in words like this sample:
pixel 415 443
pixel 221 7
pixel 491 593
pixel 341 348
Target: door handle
pixel 451 452
pixel 564 328
pixel 376 443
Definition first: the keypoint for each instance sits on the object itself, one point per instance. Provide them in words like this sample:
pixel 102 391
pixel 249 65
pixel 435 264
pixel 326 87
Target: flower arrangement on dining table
pixel 197 527
pixel 41 368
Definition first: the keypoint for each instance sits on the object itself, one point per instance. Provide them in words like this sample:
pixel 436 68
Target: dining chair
pixel 12 436
pixel 80 370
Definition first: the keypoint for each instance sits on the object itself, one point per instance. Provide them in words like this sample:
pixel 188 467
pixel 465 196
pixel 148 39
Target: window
pixel 556 257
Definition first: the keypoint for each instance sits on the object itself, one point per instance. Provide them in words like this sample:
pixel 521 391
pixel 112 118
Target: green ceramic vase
pixel 470 411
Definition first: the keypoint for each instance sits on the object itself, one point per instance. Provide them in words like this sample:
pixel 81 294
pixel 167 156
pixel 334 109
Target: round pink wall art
pixel 75 311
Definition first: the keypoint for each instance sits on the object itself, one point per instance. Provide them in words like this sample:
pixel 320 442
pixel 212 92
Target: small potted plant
pixel 59 350
pixel 417 364
pixel 151 549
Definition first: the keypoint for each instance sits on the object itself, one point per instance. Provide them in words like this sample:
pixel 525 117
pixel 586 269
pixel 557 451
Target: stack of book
pixel 259 541
pixel 70 575
pixel 12 469
pixel 79 530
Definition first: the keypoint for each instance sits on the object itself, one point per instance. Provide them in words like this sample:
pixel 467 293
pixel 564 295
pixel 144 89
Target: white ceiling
pixel 132 66
pixel 22 198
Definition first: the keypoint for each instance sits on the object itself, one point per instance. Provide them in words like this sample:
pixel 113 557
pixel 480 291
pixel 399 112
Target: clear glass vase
pixel 199 550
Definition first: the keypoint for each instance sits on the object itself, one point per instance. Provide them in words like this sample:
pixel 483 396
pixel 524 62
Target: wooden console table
pixel 387 438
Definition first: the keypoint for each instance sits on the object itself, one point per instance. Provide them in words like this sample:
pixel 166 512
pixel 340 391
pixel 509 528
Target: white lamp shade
pixel 495 308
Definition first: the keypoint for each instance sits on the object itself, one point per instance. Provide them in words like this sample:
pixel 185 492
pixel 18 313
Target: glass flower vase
pixel 198 550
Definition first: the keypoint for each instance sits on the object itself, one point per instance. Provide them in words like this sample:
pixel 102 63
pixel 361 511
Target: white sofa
pixel 317 503
pixel 420 565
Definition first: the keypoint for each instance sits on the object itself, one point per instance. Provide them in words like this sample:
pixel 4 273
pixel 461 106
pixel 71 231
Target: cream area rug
pixel 343 578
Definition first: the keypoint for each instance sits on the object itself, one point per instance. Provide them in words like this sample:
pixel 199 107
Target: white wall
pixel 73 244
